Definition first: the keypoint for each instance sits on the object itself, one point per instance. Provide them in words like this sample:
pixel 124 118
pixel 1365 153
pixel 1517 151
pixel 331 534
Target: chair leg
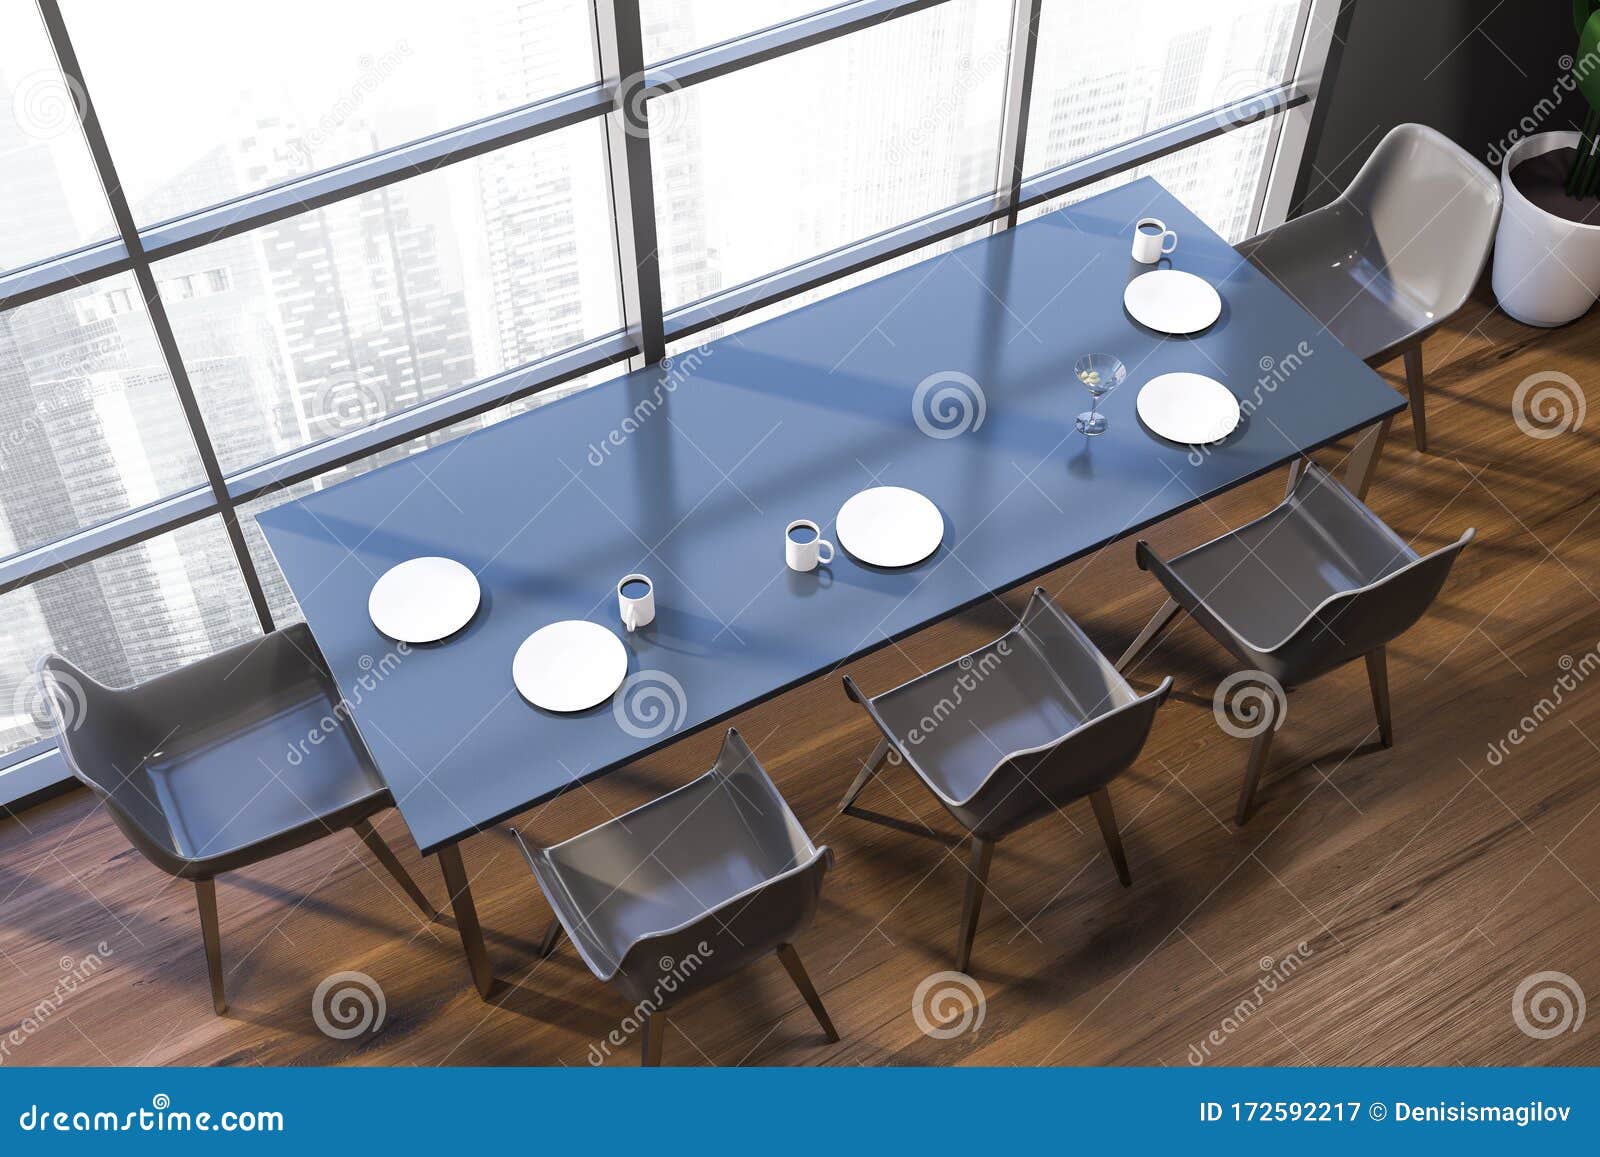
pixel 797 973
pixel 1414 388
pixel 1260 748
pixel 552 937
pixel 1152 631
pixel 1107 818
pixel 1378 677
pixel 205 894
pixel 977 877
pixel 650 1038
pixel 874 762
pixel 384 854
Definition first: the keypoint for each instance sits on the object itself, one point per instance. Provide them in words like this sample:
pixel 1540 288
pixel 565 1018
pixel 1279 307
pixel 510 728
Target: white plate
pixel 1171 301
pixel 569 666
pixel 890 526
pixel 424 600
pixel 1188 408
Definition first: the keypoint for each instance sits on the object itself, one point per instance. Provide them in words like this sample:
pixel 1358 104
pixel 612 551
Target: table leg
pixel 1294 476
pixel 1364 458
pixel 457 885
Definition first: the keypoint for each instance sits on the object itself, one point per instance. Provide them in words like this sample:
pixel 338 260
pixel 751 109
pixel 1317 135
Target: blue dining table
pixel 952 377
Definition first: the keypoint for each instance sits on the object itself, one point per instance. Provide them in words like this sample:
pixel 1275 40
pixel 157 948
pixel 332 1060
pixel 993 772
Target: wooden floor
pixel 1404 894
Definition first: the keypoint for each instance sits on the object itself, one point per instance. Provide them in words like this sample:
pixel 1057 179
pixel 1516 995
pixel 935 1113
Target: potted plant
pixel 1547 248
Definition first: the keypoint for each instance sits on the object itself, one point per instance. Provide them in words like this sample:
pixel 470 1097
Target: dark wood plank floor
pixel 1424 882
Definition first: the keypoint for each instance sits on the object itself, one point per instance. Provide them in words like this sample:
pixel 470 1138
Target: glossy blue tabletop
pixel 690 473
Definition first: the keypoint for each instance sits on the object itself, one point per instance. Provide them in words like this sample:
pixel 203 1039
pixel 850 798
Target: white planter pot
pixel 1546 268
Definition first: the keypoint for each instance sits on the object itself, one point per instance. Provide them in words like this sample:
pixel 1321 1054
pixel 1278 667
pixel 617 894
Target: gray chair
pixel 1395 255
pixel 1315 583
pixel 689 888
pixel 223 764
pixel 1012 732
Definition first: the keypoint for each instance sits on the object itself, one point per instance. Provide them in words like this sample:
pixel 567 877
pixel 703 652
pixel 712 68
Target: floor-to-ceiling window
pixel 234 271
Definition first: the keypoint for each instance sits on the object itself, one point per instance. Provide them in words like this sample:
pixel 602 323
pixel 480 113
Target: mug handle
pixel 1165 248
pixel 824 544
pixel 630 618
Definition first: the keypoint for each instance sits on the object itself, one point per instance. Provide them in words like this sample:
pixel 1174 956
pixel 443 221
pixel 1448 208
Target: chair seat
pixel 247 787
pixel 669 863
pixel 1345 286
pixel 255 756
pixel 961 719
pixel 1265 578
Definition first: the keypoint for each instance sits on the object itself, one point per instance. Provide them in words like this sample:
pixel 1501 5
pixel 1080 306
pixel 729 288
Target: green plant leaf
pixel 1581 10
pixel 1586 68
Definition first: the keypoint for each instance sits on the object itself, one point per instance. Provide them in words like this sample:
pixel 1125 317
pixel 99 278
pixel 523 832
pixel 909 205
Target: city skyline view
pixel 340 316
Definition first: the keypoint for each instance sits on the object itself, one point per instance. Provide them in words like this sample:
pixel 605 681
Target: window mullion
pixel 620 41
pixel 1019 98
pixel 155 309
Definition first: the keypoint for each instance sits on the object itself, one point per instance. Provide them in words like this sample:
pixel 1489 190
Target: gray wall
pixel 1473 69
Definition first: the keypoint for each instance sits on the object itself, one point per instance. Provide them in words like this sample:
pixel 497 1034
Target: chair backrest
pixel 1401 585
pixel 1026 785
pixel 1433 209
pixel 103 741
pixel 663 967
pixel 1351 624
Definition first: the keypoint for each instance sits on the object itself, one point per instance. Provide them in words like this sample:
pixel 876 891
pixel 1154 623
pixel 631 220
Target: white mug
pixel 1150 240
pixel 636 601
pixel 805 552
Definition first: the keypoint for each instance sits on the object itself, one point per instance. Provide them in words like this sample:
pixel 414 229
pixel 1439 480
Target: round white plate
pixel 1188 408
pixel 890 526
pixel 1172 301
pixel 569 666
pixel 423 600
